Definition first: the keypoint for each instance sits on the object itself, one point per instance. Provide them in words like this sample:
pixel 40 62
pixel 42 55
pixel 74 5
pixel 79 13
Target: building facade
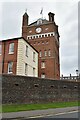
pixel 18 57
pixel 43 35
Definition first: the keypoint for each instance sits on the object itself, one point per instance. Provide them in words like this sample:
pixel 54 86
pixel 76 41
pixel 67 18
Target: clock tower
pixel 43 35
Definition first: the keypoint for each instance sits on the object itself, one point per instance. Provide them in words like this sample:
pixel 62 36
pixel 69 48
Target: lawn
pixel 27 107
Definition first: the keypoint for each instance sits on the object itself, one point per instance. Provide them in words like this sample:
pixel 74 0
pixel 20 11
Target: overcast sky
pixel 66 17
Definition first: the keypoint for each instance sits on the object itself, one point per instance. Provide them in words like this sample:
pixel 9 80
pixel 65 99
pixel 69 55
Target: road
pixel 69 112
pixel 74 115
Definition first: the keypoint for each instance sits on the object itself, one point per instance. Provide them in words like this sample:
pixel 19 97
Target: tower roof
pixel 44 21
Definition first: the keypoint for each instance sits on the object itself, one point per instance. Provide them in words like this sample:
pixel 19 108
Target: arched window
pixel 39 21
pixel 45 53
pixel 42 64
pixel 40 54
pixel 43 75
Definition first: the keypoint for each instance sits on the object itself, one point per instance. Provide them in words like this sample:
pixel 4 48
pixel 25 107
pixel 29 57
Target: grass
pixel 27 107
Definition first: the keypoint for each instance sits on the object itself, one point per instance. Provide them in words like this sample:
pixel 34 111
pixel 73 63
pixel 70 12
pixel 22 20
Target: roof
pixel 44 21
pixel 17 38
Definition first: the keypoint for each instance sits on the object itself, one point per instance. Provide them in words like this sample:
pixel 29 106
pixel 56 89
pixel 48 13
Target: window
pixel 39 21
pixel 30 31
pixel 42 64
pixel 49 52
pixel 10 67
pixel 47 42
pixel 0 49
pixel 46 28
pixel 40 54
pixel 33 71
pixel 38 43
pixel 11 48
pixel 42 42
pixel 43 75
pixel 26 50
pixel 34 56
pixel 34 43
pixel 26 69
pixel 45 53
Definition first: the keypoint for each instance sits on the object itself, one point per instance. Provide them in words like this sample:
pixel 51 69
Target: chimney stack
pixel 25 19
pixel 51 17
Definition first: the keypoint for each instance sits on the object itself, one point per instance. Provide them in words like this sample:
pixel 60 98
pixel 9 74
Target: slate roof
pixel 44 21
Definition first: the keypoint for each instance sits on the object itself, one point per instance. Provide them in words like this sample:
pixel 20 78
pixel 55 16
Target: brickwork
pixel 19 89
pixel 6 57
pixel 44 41
pixel 15 54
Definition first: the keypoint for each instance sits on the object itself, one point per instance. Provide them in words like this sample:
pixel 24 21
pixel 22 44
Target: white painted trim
pixel 37 35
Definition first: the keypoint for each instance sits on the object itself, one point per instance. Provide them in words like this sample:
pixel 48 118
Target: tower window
pixel 49 52
pixel 40 54
pixel 43 75
pixel 34 43
pixel 42 42
pixel 47 42
pixel 45 53
pixel 43 64
pixel 39 21
pixel 38 43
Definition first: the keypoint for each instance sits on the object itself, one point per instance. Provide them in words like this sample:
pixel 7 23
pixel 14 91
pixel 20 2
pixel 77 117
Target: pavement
pixel 36 113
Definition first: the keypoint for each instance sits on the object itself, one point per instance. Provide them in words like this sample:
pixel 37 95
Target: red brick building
pixel 18 57
pixel 43 35
pixel 7 56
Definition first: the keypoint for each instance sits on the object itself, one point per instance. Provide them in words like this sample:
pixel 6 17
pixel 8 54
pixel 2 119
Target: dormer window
pixel 39 21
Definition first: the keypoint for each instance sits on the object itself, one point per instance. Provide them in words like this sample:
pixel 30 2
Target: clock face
pixel 38 30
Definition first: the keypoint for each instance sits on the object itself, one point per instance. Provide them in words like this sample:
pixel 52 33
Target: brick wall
pixel 19 89
pixel 52 69
pixel 6 57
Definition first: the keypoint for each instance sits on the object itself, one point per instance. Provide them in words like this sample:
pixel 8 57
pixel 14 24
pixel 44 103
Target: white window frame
pixel 45 53
pixel 9 72
pixel 49 52
pixel 39 21
pixel 43 75
pixel 11 48
pixel 43 64
pixel 26 51
pixel 40 53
